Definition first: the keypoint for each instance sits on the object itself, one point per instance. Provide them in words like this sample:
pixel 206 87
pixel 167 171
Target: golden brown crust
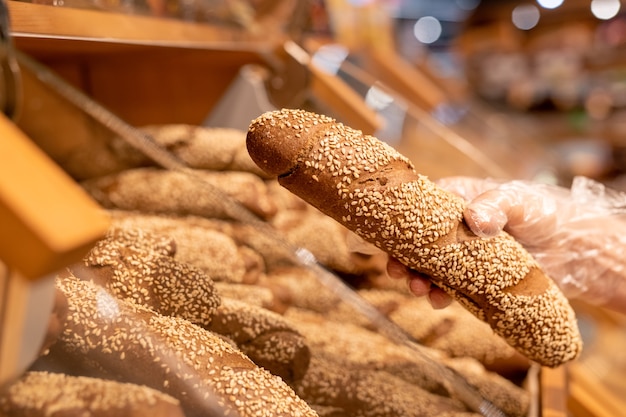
pixel 352 348
pixel 115 339
pixel 138 266
pixel 199 242
pixel 154 190
pixel 40 394
pixel 374 191
pixel 264 336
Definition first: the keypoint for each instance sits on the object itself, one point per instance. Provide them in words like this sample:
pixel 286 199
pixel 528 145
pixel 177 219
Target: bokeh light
pixel 525 16
pixel 550 4
pixel 427 29
pixel 605 9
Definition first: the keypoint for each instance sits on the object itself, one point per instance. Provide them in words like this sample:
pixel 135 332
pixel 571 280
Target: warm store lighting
pixel 550 4
pixel 427 29
pixel 525 16
pixel 605 9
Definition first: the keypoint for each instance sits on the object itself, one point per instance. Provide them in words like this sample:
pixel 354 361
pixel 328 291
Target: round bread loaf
pixel 374 191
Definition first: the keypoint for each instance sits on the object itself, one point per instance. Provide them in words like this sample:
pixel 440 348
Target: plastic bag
pixel 577 235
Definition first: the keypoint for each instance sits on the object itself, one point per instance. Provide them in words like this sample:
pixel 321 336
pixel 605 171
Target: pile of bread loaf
pixel 182 310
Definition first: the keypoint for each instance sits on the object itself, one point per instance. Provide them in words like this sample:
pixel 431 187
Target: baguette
pixel 44 394
pixel 373 190
pixel 154 190
pixel 111 338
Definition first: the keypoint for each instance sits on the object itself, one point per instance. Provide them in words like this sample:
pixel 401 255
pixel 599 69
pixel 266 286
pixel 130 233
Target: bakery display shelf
pixel 40 27
pixel 153 70
pixel 119 59
pixel 145 69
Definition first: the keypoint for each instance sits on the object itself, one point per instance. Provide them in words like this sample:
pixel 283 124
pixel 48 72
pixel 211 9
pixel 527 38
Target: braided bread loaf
pixel 374 191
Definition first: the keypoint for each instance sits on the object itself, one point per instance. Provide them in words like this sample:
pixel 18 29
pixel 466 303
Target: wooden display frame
pixel 117 59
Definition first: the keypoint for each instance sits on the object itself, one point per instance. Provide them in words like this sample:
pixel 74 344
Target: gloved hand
pixel 577 235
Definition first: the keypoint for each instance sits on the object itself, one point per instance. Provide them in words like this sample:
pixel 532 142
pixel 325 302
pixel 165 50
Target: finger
pixel 488 213
pixel 438 298
pixel 526 212
pixel 533 218
pixel 396 270
pixel 419 286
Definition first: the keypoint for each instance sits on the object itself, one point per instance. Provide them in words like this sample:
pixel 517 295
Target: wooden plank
pixel 47 220
pixel 553 390
pixel 25 307
pixel 164 85
pixel 589 397
pixel 43 21
pixel 344 101
pixel 402 77
pixel 146 70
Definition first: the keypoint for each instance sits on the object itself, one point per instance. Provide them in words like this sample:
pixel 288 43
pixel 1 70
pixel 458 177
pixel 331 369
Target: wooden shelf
pixel 147 70
pixel 37 27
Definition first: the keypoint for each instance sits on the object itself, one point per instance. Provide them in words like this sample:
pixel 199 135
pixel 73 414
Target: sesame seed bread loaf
pixel 111 338
pixel 374 191
pixel 43 394
pixel 452 330
pixel 265 337
pixel 321 235
pixel 139 266
pixel 298 286
pixel 372 393
pixel 198 243
pixel 355 348
pixel 199 147
pixel 360 348
pixel 154 190
pixel 251 294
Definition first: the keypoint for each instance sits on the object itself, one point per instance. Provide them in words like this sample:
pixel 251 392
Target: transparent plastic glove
pixel 577 235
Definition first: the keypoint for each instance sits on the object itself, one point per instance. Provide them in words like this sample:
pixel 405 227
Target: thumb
pixel 528 213
pixel 486 215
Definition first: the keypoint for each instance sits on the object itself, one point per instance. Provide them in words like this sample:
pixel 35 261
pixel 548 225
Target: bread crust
pixel 370 188
pixel 40 394
pixel 111 338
